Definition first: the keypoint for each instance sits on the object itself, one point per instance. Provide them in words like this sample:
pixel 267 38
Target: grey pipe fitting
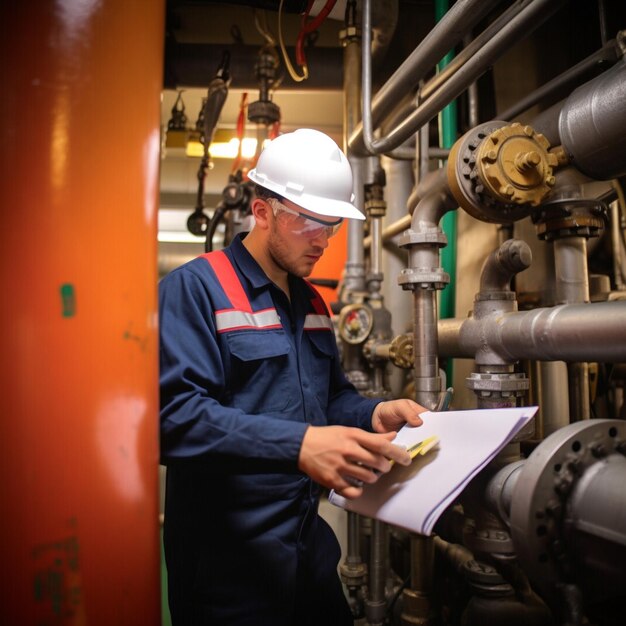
pixel 592 125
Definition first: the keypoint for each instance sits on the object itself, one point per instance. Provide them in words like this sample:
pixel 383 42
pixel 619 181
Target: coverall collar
pixel 247 264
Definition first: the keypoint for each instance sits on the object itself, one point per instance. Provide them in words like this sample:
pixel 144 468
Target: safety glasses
pixel 301 224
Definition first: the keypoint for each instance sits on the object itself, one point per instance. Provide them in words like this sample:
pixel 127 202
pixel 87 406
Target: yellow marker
pixel 422 447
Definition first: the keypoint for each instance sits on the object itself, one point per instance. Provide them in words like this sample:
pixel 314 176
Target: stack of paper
pixel 414 497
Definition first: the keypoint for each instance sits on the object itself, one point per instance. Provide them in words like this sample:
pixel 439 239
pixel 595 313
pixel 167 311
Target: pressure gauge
pixel 355 323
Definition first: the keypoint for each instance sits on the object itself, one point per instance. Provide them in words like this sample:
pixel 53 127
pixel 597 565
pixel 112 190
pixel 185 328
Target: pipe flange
pixel 353 574
pixel 434 237
pixel 485 579
pixel 498 172
pixel 375 208
pixel 572 217
pixel 540 495
pixel 489 541
pixel 263 112
pixel 497 296
pixel 423 278
pixel 498 385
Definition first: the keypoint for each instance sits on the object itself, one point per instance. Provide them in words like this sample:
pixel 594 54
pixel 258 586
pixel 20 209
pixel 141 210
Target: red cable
pixel 241 129
pixel 311 26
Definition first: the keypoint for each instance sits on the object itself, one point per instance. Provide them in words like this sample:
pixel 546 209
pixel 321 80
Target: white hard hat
pixel 308 168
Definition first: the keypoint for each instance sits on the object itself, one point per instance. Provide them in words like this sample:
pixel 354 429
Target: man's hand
pixel 342 458
pixel 392 415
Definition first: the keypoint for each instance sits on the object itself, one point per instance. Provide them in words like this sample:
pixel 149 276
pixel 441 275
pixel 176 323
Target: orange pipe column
pixel 79 159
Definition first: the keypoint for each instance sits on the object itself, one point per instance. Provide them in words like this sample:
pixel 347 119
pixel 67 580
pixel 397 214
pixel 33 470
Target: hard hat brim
pixel 327 207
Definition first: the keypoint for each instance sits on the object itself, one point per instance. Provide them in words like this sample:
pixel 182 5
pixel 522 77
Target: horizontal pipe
pixel 569 332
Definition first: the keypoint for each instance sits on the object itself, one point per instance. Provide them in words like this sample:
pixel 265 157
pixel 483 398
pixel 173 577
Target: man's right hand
pixel 342 458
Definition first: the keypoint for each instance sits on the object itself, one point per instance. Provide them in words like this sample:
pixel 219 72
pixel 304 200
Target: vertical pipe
pixel 417 607
pixel 354 276
pixel 355 264
pixel 572 286
pixel 616 246
pixel 375 607
pixel 554 397
pixel 425 348
pixel 399 184
pixel 79 137
pixel 447 137
pixel 570 264
pixel 376 250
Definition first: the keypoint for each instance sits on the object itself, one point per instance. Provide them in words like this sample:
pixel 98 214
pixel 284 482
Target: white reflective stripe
pixel 317 322
pixel 230 319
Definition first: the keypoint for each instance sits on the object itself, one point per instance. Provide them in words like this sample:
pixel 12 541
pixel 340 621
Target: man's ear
pixel 261 210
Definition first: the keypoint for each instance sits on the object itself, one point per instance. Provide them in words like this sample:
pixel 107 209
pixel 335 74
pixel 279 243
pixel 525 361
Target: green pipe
pixel 447 137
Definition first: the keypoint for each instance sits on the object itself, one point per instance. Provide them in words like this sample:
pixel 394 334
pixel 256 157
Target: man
pixel 256 414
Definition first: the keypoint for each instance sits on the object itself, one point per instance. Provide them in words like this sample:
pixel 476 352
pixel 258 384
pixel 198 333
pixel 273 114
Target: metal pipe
pixel 425 350
pixel 375 605
pixel 429 182
pixel 416 605
pixel 79 359
pixel 554 397
pixel 609 53
pixel 399 177
pixel 616 245
pixel 472 99
pixel 572 285
pixel 426 276
pixel 597 149
pixel 354 279
pixel 353 569
pixel 390 231
pixel 570 265
pixel 516 29
pixel 376 254
pixel 512 257
pixel 461 18
pixel 471 47
pixel 568 332
pixel 423 162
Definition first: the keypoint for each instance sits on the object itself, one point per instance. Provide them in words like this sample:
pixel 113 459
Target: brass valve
pixel 515 166
pixel 499 172
pixel 401 351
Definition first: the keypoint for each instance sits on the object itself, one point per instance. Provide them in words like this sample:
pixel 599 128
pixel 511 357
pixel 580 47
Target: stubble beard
pixel 278 249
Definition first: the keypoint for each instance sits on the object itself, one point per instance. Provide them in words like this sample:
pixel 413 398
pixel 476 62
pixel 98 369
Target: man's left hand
pixel 393 414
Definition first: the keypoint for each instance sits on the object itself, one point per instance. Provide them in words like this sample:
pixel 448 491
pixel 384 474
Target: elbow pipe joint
pixel 424 239
pixel 512 257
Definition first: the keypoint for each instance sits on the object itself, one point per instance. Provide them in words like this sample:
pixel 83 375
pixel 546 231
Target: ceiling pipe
pixel 528 19
pixel 445 35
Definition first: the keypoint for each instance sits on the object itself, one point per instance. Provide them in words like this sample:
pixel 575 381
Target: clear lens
pixel 300 224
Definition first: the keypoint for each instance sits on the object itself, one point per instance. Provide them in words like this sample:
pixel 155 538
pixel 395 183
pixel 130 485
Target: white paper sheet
pixel 414 497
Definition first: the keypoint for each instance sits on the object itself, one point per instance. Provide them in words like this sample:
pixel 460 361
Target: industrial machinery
pixel 488 144
pixel 539 536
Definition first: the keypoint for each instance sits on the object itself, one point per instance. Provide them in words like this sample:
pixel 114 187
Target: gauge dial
pixel 355 323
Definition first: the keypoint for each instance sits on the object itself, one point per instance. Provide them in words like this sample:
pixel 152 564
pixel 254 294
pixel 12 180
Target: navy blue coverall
pixel 244 371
